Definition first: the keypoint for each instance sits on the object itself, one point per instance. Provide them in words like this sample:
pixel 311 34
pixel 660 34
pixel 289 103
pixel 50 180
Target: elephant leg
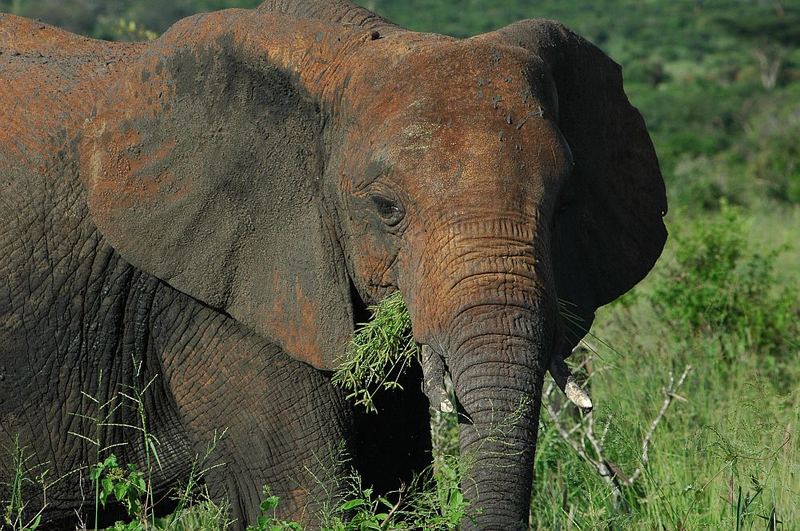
pixel 394 445
pixel 285 426
pixel 68 372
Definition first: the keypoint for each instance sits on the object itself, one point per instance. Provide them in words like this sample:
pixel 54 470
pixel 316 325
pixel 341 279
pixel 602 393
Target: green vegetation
pixel 125 485
pixel 718 82
pixel 725 454
pixel 425 504
pixel 378 354
pixel 14 510
pixel 716 284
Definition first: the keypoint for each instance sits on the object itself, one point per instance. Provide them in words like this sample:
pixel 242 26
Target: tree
pixel 770 35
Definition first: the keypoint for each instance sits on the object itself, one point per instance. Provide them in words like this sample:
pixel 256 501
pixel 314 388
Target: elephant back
pixel 50 80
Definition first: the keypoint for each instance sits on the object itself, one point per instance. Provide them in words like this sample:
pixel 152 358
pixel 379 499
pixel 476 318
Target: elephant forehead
pixel 465 79
pixel 462 96
pixel 450 115
pixel 491 165
pixel 468 152
pixel 442 79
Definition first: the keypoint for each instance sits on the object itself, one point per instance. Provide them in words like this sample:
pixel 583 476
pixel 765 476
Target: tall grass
pixel 728 456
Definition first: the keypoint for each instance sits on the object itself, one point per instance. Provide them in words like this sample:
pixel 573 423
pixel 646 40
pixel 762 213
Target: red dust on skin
pixel 293 318
pixel 115 157
pixel 45 68
pixel 111 194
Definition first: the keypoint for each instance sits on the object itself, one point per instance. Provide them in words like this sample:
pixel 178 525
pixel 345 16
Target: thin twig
pixel 601 467
pixel 394 509
pixel 669 396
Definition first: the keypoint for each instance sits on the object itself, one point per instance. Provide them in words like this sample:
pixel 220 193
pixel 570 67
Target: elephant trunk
pixel 487 314
pixel 497 376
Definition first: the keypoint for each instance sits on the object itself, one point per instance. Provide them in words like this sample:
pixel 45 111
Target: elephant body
pixel 80 324
pixel 201 221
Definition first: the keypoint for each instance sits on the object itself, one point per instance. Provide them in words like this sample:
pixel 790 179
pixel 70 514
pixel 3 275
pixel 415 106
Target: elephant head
pixel 291 164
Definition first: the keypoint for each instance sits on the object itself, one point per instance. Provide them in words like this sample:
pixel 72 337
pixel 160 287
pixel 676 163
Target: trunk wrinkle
pixel 484 339
pixel 496 305
pixel 494 276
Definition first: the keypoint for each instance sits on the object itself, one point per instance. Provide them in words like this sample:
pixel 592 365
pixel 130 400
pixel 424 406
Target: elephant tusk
pixel 436 384
pixel 445 406
pixel 566 382
pixel 448 402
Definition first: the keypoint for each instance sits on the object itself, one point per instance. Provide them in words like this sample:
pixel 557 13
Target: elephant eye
pixel 389 211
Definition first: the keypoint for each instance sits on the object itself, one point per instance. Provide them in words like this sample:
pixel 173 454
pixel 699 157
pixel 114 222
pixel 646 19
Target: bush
pixel 775 155
pixel 715 284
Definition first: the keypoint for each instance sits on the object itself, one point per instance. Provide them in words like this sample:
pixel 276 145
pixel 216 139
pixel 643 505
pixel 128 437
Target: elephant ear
pixel 609 230
pixel 202 167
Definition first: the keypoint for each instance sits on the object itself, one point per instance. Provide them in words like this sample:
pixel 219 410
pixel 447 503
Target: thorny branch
pixel 583 431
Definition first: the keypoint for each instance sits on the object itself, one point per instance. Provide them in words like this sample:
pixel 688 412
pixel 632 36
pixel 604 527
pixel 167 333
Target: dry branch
pixel 583 432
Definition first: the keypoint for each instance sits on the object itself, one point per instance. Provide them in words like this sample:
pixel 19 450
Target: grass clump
pixel 432 501
pixel 378 354
pixel 436 505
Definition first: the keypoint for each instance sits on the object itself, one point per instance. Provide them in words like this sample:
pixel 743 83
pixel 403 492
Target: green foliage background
pixel 718 82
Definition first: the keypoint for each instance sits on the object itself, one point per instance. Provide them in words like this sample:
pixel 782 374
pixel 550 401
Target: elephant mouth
pixel 360 310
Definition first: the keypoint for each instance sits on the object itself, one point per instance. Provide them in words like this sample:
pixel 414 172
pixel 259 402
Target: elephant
pixel 205 218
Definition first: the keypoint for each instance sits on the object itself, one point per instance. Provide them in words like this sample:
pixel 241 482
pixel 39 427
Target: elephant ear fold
pixel 202 167
pixel 608 230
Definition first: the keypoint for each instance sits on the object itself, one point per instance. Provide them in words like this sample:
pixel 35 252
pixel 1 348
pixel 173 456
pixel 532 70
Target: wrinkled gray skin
pixel 208 215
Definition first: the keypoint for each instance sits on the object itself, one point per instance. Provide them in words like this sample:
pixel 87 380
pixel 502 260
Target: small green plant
pixel 14 508
pixel 129 486
pixel 125 484
pixel 378 354
pixel 195 508
pixel 98 421
pixel 267 520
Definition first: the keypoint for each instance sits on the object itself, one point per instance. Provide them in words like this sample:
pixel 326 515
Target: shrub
pixel 775 151
pixel 715 284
